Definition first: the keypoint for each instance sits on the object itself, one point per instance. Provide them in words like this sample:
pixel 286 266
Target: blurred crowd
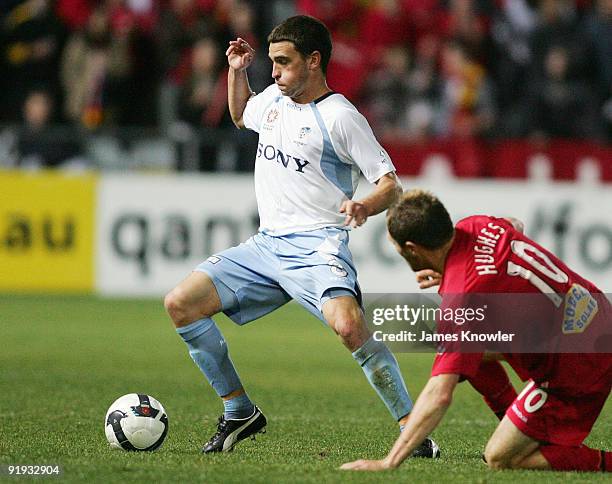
pixel 489 68
pixel 417 69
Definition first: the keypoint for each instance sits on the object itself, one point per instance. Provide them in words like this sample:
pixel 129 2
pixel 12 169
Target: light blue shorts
pixel 265 272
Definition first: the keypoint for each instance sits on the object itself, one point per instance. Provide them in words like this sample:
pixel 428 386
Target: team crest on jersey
pixel 272 115
pixel 579 310
pixel 304 131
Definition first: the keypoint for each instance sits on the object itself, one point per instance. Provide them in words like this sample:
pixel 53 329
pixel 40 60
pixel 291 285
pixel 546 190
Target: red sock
pixel 493 384
pixel 582 458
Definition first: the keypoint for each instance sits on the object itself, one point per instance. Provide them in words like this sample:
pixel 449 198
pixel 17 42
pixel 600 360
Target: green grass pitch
pixel 63 360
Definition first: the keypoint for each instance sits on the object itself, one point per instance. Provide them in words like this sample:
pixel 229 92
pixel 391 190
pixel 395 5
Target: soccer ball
pixel 136 422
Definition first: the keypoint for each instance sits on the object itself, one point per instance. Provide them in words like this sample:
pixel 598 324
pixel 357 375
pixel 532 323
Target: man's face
pixel 289 68
pixel 414 259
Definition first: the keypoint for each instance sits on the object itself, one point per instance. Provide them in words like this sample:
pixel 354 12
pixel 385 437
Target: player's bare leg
pixel 194 298
pixel 345 317
pixel 509 448
pixel 190 305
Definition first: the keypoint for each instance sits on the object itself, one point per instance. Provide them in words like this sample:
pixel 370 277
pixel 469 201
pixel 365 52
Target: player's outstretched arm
pixel 388 190
pixel 239 56
pixel 428 411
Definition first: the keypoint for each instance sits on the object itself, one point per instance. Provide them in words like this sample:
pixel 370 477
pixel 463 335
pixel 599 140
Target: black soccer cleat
pixel 230 432
pixel 427 450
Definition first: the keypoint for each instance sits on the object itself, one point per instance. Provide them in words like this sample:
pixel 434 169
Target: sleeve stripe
pixel 337 172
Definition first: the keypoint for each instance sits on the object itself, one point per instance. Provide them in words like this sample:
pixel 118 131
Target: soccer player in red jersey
pixel 545 425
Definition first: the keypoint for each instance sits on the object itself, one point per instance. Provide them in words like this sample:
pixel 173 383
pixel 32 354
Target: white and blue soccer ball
pixel 136 422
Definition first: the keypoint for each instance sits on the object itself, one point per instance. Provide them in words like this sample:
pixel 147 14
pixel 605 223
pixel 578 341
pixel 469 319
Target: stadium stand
pixel 487 85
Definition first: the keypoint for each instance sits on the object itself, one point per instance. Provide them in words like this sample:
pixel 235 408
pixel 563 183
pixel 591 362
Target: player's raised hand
pixel 365 465
pixel 427 278
pixel 356 213
pixel 239 54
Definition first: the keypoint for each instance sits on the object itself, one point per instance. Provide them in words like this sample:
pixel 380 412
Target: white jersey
pixel 308 159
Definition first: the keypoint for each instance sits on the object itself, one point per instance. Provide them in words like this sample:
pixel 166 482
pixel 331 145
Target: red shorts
pixel 555 417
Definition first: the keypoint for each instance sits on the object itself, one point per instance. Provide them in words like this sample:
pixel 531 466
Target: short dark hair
pixel 421 218
pixel 308 34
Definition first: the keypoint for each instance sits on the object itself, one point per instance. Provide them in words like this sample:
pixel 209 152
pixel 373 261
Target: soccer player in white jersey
pixel 313 145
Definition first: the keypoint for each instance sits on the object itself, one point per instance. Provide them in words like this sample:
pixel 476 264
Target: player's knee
pixel 498 465
pixel 351 331
pixel 345 328
pixel 345 318
pixel 176 306
pixel 496 460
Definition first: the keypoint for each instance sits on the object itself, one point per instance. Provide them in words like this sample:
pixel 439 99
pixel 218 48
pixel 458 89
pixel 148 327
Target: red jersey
pixel 489 256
